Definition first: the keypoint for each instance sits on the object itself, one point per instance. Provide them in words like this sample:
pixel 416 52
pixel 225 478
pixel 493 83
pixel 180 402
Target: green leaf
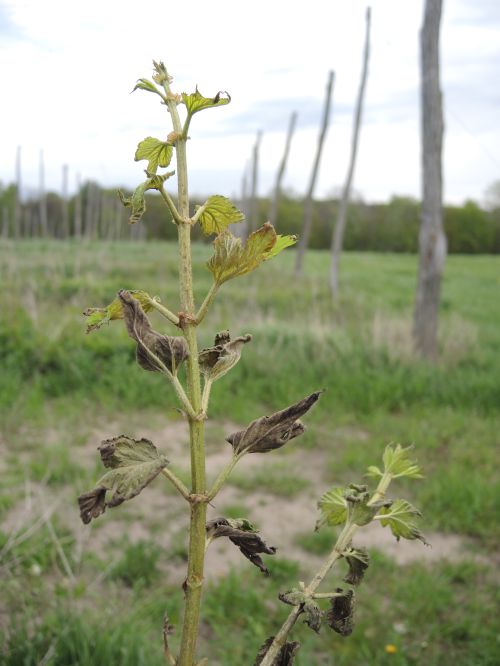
pixel 137 201
pixel 358 560
pixel 403 519
pixel 231 258
pixel 97 317
pixel 373 471
pixel 133 463
pixel 216 361
pixel 196 102
pixel 216 214
pixel 146 84
pixel 397 462
pixel 333 507
pixel 158 153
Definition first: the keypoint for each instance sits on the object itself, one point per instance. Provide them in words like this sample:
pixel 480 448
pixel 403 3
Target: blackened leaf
pixel 247 539
pixel 196 102
pixel 333 507
pixel 216 361
pixel 231 258
pixel 340 616
pixel 158 153
pixel 308 606
pixel 358 560
pixel 402 518
pixel 285 657
pixel 217 213
pixel 133 464
pixel 272 432
pixel 96 317
pixel 154 350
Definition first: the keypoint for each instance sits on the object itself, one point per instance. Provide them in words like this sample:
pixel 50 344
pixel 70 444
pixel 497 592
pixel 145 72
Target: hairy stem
pixel 223 476
pixel 196 553
pixel 164 311
pixel 174 479
pixel 342 543
pixel 200 315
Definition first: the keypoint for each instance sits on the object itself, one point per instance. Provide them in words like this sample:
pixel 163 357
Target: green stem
pixel 200 315
pixel 164 311
pixel 343 541
pixel 176 482
pixel 221 479
pixel 171 206
pixel 196 553
pixel 206 395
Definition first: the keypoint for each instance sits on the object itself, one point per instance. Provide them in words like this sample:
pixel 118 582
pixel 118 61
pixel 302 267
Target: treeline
pixel 96 213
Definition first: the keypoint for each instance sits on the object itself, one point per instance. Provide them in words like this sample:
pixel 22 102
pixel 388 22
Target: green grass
pixel 57 385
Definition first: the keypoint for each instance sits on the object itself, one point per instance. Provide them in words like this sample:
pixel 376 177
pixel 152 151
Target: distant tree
pixel 492 196
pixel 432 240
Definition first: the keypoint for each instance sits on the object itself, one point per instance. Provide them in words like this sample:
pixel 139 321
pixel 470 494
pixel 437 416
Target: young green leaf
pixel 358 560
pixel 308 606
pixel 402 518
pixel 231 258
pixel 134 464
pixel 333 507
pixel 340 617
pixel 158 153
pixel 244 535
pixel 360 510
pixel 154 351
pixel 285 657
pixel 196 102
pixel 272 432
pixel 147 85
pixel 216 214
pixel 216 361
pixel 137 202
pixel 97 317
pixel 374 472
pixel 397 462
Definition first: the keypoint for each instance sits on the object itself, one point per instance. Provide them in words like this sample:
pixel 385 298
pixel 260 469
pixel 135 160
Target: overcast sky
pixel 68 68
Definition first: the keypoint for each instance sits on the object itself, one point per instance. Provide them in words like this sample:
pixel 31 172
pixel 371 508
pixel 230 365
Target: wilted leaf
pixel 333 507
pixel 403 520
pixel 217 213
pixel 397 462
pixel 134 464
pixel 272 432
pixel 154 350
pixel 243 534
pixel 358 560
pixel 158 153
pixel 196 102
pixel 340 616
pixel 308 606
pixel 137 202
pixel 231 258
pixel 99 316
pixel 285 657
pixel 216 361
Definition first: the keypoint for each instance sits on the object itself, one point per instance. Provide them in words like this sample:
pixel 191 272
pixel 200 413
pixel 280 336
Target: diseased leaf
pixel 272 432
pixel 96 317
pixel 360 508
pixel 217 213
pixel 216 361
pixel 231 258
pixel 137 202
pixel 340 616
pixel 285 657
pixel 402 517
pixel 243 534
pixel 358 560
pixel 333 507
pixel 158 153
pixel 196 102
pixel 308 606
pixel 133 464
pixel 397 462
pixel 154 351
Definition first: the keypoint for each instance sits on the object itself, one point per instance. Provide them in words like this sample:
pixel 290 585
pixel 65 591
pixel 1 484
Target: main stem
pixel 196 554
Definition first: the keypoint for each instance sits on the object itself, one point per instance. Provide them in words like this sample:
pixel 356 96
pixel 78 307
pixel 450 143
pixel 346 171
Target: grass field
pixel 74 595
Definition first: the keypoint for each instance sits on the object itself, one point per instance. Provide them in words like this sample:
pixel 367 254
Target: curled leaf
pixel 402 517
pixel 358 560
pixel 158 153
pixel 244 535
pixel 96 317
pixel 272 432
pixel 147 85
pixel 216 214
pixel 340 616
pixel 333 507
pixel 216 361
pixel 361 510
pixel 154 351
pixel 196 102
pixel 133 464
pixel 137 202
pixel 285 657
pixel 231 258
pixel 307 605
